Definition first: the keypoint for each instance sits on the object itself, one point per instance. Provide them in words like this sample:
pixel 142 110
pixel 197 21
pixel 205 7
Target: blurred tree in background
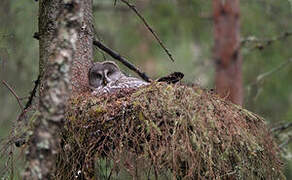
pixel 186 28
pixel 227 57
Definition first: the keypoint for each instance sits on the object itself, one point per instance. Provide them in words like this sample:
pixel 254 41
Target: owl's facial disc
pixel 111 71
pixel 95 75
pixel 96 79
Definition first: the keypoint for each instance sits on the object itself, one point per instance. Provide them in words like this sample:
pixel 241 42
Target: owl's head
pixel 102 73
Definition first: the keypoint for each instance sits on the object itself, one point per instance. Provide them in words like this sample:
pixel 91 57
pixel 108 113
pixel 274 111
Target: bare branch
pixel 261 44
pixel 287 141
pixel 36 35
pixel 118 57
pixel 14 94
pixel 33 93
pixel 282 127
pixel 266 74
pixel 131 6
pixel 23 98
pixel 114 55
pixel 255 86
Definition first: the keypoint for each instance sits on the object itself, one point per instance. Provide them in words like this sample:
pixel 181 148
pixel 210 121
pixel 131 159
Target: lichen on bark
pixel 60 24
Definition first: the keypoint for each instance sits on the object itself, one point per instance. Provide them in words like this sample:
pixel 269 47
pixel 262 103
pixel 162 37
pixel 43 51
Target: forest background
pixel 186 28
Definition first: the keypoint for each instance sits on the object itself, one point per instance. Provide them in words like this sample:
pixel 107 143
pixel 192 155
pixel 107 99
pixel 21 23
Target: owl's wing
pixel 122 83
pixel 128 82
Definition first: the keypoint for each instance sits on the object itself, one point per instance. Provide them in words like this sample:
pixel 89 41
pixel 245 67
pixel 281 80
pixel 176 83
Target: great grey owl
pixel 106 77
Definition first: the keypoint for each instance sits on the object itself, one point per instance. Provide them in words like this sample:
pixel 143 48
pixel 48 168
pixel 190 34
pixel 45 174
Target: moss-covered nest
pixel 164 131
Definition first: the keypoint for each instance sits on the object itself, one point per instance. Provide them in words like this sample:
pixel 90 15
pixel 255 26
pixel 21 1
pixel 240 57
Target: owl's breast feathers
pixel 122 83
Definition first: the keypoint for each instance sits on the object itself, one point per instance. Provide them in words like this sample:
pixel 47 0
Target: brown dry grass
pixel 165 132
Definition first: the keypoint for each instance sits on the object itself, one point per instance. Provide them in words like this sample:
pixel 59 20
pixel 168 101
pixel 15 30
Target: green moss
pixel 167 131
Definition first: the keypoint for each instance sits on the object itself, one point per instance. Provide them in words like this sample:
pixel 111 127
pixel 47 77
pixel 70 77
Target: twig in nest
pixel 118 57
pixel 171 78
pixel 14 94
pixel 131 6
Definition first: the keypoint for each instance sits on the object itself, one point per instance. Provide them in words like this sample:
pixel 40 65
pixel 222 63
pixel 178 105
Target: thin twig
pixel 33 93
pixel 255 85
pixel 266 74
pixel 23 98
pixel 261 44
pixel 118 57
pixel 36 35
pixel 131 6
pixel 14 94
pixel 282 127
pixel 287 141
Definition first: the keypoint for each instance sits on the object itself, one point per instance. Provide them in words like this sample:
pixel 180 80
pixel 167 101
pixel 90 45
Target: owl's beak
pixel 105 81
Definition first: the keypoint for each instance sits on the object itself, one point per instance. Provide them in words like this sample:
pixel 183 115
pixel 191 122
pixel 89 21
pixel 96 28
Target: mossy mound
pixel 165 131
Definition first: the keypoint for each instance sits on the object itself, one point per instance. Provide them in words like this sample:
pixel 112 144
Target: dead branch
pixel 118 57
pixel 23 98
pixel 287 141
pixel 14 93
pixel 131 6
pixel 33 93
pixel 282 127
pixel 36 35
pixel 114 55
pixel 255 85
pixel 261 44
pixel 278 68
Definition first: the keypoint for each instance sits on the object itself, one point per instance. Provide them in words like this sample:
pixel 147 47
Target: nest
pixel 164 131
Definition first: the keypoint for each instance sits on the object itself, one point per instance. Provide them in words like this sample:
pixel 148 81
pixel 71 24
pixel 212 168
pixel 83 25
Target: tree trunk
pixel 65 31
pixel 48 12
pixel 228 78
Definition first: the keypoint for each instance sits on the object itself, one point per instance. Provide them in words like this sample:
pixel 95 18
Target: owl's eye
pixel 109 73
pixel 98 76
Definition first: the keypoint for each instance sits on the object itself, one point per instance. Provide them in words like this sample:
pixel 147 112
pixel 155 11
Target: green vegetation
pixel 185 26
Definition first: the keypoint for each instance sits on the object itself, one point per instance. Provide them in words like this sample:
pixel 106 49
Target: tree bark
pixel 228 61
pixel 48 12
pixel 65 31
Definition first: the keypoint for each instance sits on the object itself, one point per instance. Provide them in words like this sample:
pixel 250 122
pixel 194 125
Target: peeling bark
pixel 228 61
pixel 65 53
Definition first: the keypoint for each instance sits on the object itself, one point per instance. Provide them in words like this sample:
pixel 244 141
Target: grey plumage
pixel 106 77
